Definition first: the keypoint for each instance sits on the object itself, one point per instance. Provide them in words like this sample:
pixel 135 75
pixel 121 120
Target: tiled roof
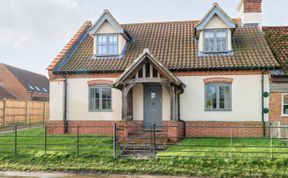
pixel 30 80
pixel 174 45
pixel 5 94
pixel 277 39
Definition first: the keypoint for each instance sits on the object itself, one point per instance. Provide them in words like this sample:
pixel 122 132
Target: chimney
pixel 250 12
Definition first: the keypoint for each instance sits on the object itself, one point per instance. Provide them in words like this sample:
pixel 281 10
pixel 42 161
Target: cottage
pixel 210 72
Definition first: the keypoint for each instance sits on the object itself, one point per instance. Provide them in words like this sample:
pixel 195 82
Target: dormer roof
pixel 108 17
pixel 215 10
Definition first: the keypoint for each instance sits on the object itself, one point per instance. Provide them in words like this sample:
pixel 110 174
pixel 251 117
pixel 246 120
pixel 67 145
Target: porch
pixel 150 92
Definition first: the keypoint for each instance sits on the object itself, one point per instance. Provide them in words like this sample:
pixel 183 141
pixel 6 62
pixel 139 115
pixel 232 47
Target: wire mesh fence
pixel 114 141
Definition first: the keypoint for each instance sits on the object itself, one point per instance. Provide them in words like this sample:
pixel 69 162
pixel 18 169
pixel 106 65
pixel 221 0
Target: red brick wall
pixel 9 82
pixel 275 108
pixel 175 130
pixel 252 6
pixel 223 129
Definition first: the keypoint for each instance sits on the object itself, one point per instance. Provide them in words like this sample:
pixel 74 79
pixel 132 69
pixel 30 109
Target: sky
pixel 32 32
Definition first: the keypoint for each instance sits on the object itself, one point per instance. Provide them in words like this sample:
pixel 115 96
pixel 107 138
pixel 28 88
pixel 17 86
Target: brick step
pixel 160 141
pixel 140 147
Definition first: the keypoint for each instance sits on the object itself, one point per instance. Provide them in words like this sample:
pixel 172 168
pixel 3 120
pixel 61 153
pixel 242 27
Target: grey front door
pixel 152 105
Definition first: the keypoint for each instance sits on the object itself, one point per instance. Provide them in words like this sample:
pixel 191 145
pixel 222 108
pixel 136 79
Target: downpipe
pixel 184 123
pixel 262 103
pixel 65 106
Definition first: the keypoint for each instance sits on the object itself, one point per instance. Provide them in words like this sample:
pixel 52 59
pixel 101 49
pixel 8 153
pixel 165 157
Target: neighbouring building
pixel 16 83
pixel 211 72
pixel 277 39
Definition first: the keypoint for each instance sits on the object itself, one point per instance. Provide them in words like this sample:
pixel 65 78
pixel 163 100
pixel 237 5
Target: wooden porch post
pixel 127 103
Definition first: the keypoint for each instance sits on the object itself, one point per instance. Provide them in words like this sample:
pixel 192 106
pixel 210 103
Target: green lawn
pixel 227 148
pixel 32 142
pixel 62 157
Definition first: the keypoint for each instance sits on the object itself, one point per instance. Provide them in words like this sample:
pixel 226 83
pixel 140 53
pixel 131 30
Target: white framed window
pixel 107 44
pixel 100 98
pixel 215 40
pixel 218 97
pixel 285 104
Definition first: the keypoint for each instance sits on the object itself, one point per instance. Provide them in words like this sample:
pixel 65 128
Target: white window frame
pixel 215 31
pixel 107 44
pixel 282 105
pixel 100 87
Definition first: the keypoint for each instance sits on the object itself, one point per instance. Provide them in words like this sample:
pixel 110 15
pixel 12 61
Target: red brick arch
pixel 218 80
pixel 99 82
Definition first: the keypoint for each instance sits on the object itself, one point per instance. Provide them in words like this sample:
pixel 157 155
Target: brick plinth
pixel 175 130
pixel 224 129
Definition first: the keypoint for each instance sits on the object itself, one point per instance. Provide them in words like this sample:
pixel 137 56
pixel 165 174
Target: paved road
pixel 21 174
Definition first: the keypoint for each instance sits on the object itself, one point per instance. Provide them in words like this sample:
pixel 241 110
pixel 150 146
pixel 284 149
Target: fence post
pixel 154 141
pixel 114 141
pixel 45 139
pixel 271 144
pixel 78 140
pixel 4 112
pixel 231 143
pixel 44 113
pixel 27 111
pixel 15 139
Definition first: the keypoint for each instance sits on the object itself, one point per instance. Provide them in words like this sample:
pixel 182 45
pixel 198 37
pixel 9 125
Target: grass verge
pixel 32 158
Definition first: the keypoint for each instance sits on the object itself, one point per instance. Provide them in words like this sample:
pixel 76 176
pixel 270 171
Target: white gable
pixel 106 27
pixel 215 22
pixel 220 15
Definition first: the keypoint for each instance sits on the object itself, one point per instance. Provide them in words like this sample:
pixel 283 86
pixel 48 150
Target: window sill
pixel 106 110
pixel 284 115
pixel 118 56
pixel 218 110
pixel 222 53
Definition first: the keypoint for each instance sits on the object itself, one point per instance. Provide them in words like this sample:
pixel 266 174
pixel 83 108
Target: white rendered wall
pixel 78 101
pixel 246 99
pixel 56 100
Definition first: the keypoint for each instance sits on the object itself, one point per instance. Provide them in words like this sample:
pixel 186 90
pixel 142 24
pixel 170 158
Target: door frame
pixel 145 86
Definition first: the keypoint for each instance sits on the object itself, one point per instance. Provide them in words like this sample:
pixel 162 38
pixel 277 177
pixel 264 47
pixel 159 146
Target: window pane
pixel 97 98
pixel 102 40
pixel 211 100
pixel 102 50
pixel 91 99
pixel 113 40
pixel 224 97
pixel 113 49
pixel 221 41
pixel 285 98
pixel 106 98
pixel 209 37
pixel 285 109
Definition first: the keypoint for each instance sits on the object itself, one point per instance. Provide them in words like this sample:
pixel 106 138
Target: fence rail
pixel 22 112
pixel 154 142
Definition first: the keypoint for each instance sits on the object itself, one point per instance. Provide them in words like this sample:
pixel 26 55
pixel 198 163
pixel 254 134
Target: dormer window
pixel 215 41
pixel 107 44
pixel 214 32
pixel 110 38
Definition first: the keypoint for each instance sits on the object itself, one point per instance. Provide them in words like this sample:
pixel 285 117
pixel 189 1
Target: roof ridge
pixel 170 22
pixel 18 68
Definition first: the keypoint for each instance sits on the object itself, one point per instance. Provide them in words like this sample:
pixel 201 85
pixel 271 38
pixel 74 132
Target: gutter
pixel 65 106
